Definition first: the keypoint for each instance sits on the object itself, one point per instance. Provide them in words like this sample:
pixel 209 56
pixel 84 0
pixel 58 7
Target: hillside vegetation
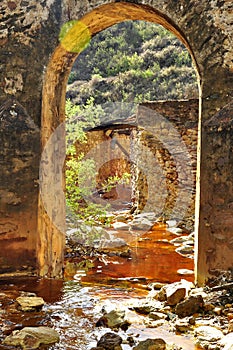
pixel 133 61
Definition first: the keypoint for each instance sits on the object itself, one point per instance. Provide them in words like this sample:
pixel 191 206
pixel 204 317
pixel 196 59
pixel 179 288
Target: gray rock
pixel 148 215
pixel 120 226
pixel 175 230
pixel 171 223
pixel 32 337
pixel 110 341
pixel 141 224
pixel 151 344
pixel 208 334
pixel 112 243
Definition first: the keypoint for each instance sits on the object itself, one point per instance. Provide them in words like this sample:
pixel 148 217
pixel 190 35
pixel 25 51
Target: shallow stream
pixel 73 305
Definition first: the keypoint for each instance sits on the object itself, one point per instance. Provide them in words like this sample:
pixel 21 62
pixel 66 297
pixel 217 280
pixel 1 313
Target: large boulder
pixel 32 337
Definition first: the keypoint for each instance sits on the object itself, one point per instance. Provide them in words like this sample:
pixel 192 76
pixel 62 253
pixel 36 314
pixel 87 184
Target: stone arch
pixel 51 236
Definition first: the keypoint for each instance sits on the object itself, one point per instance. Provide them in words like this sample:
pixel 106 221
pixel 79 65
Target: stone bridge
pixel 35 66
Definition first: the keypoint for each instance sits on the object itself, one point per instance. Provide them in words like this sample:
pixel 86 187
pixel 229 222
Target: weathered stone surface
pixel 110 341
pixel 172 138
pixel 189 306
pixel 173 293
pixel 113 319
pixel 208 333
pixel 30 303
pixel 32 337
pixel 157 316
pixel 152 344
pixel 206 29
pixel 182 325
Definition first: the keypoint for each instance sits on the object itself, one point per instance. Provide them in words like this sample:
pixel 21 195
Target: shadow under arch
pixel 51 236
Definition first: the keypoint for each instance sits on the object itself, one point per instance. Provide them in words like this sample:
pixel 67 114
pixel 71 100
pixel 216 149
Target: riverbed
pixel 73 305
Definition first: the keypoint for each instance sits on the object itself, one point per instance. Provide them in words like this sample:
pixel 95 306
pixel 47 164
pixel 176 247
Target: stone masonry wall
pixel 34 71
pixel 165 160
pixel 28 35
pixel 112 158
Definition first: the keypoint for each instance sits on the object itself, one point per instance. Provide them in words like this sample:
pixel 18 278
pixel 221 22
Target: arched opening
pixel 52 211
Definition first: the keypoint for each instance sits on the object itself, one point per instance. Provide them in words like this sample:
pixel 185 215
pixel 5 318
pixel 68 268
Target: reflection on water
pixel 73 306
pixel 153 258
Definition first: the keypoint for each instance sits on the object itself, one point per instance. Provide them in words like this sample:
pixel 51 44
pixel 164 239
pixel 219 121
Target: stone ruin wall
pixel 162 177
pixel 110 161
pixel 34 69
pixel 152 165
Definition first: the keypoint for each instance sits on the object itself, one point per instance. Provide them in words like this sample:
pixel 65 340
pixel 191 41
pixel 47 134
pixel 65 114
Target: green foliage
pixel 81 118
pixel 112 181
pixel 128 62
pixel 81 172
pixel 132 61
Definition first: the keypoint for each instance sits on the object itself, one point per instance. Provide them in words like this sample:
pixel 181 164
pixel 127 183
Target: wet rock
pixel 208 334
pixel 113 319
pixel 218 310
pixel 121 218
pixel 227 341
pixel 141 224
pixel 151 344
pixel 175 230
pixel 182 325
pixel 208 307
pixel 110 341
pixel 157 316
pixel 178 240
pixel 189 306
pixel 147 307
pixel 30 303
pixel 174 293
pixel 171 223
pixel 32 337
pixel 185 272
pixel 111 243
pixel 154 324
pixel 157 285
pixel 120 226
pixel 185 249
